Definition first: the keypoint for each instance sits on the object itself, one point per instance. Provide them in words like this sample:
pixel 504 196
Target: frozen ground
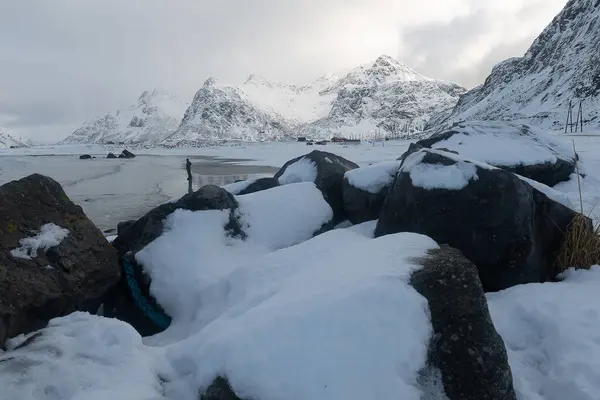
pixel 114 190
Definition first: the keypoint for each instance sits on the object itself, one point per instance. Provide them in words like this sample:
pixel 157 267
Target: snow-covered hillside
pixel 8 141
pixel 383 96
pixel 562 65
pixel 153 117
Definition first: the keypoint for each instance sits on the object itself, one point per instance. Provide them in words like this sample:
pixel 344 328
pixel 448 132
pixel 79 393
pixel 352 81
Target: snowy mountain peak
pixel 386 66
pixel 210 82
pixel 258 80
pixel 561 66
pixel 155 115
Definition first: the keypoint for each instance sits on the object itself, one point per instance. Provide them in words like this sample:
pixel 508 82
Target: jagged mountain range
pixel 561 66
pixel 385 95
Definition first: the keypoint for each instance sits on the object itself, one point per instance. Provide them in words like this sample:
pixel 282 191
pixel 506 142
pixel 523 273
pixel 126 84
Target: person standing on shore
pixel 188 167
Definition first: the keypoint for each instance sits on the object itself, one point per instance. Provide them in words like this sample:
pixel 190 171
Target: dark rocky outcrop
pixel 74 275
pixel 85 157
pixel 260 185
pixel 111 155
pixel 330 174
pixel 519 136
pixel 465 346
pixel 137 235
pixel 219 389
pixel 361 204
pixel 126 154
pixel 508 229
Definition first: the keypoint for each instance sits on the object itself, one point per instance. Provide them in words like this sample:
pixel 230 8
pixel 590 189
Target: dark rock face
pixel 330 174
pixel 85 157
pixel 123 226
pixel 126 154
pixel 465 346
pixel 508 229
pixel 260 185
pixel 111 155
pixel 220 389
pixel 136 235
pixel 362 205
pixel 74 275
pixel 548 173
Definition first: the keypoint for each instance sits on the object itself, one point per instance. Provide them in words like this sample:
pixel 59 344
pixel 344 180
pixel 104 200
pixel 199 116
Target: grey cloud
pixel 437 47
pixel 64 61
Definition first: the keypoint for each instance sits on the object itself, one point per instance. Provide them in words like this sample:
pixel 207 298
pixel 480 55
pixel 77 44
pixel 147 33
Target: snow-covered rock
pixel 326 170
pixel 53 260
pixel 152 118
pixel 364 190
pixel 507 228
pixel 518 148
pixel 562 65
pixel 8 141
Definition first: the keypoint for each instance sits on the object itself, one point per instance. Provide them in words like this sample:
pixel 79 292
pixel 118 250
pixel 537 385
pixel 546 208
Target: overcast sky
pixel 64 61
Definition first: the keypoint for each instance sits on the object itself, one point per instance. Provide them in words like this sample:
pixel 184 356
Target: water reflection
pixel 219 180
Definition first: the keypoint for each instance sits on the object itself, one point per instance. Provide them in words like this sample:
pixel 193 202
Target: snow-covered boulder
pixel 142 311
pixel 509 229
pixel 53 260
pixel 465 348
pixel 251 186
pixel 522 149
pixel 270 219
pixel 326 170
pixel 358 316
pixel 364 190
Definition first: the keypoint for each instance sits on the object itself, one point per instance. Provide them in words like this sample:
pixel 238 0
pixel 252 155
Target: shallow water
pixel 115 190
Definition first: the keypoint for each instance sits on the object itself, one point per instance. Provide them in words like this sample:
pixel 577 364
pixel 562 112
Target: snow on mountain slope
pixel 562 65
pixel 152 118
pixel 7 141
pixel 222 112
pixel 385 94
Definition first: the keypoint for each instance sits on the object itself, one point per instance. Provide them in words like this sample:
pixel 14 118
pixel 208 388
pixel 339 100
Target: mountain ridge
pixel 562 65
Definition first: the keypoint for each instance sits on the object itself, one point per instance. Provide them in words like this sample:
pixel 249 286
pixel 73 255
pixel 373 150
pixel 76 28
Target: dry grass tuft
pixel 581 246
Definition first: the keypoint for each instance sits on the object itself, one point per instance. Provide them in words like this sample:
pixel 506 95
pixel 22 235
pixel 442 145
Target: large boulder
pixel 517 148
pixel 85 157
pixel 53 260
pixel 131 300
pixel 111 155
pixel 364 190
pixel 326 170
pixel 506 227
pixel 465 347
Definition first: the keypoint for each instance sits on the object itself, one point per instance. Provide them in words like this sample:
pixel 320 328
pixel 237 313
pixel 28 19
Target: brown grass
pixel 581 247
